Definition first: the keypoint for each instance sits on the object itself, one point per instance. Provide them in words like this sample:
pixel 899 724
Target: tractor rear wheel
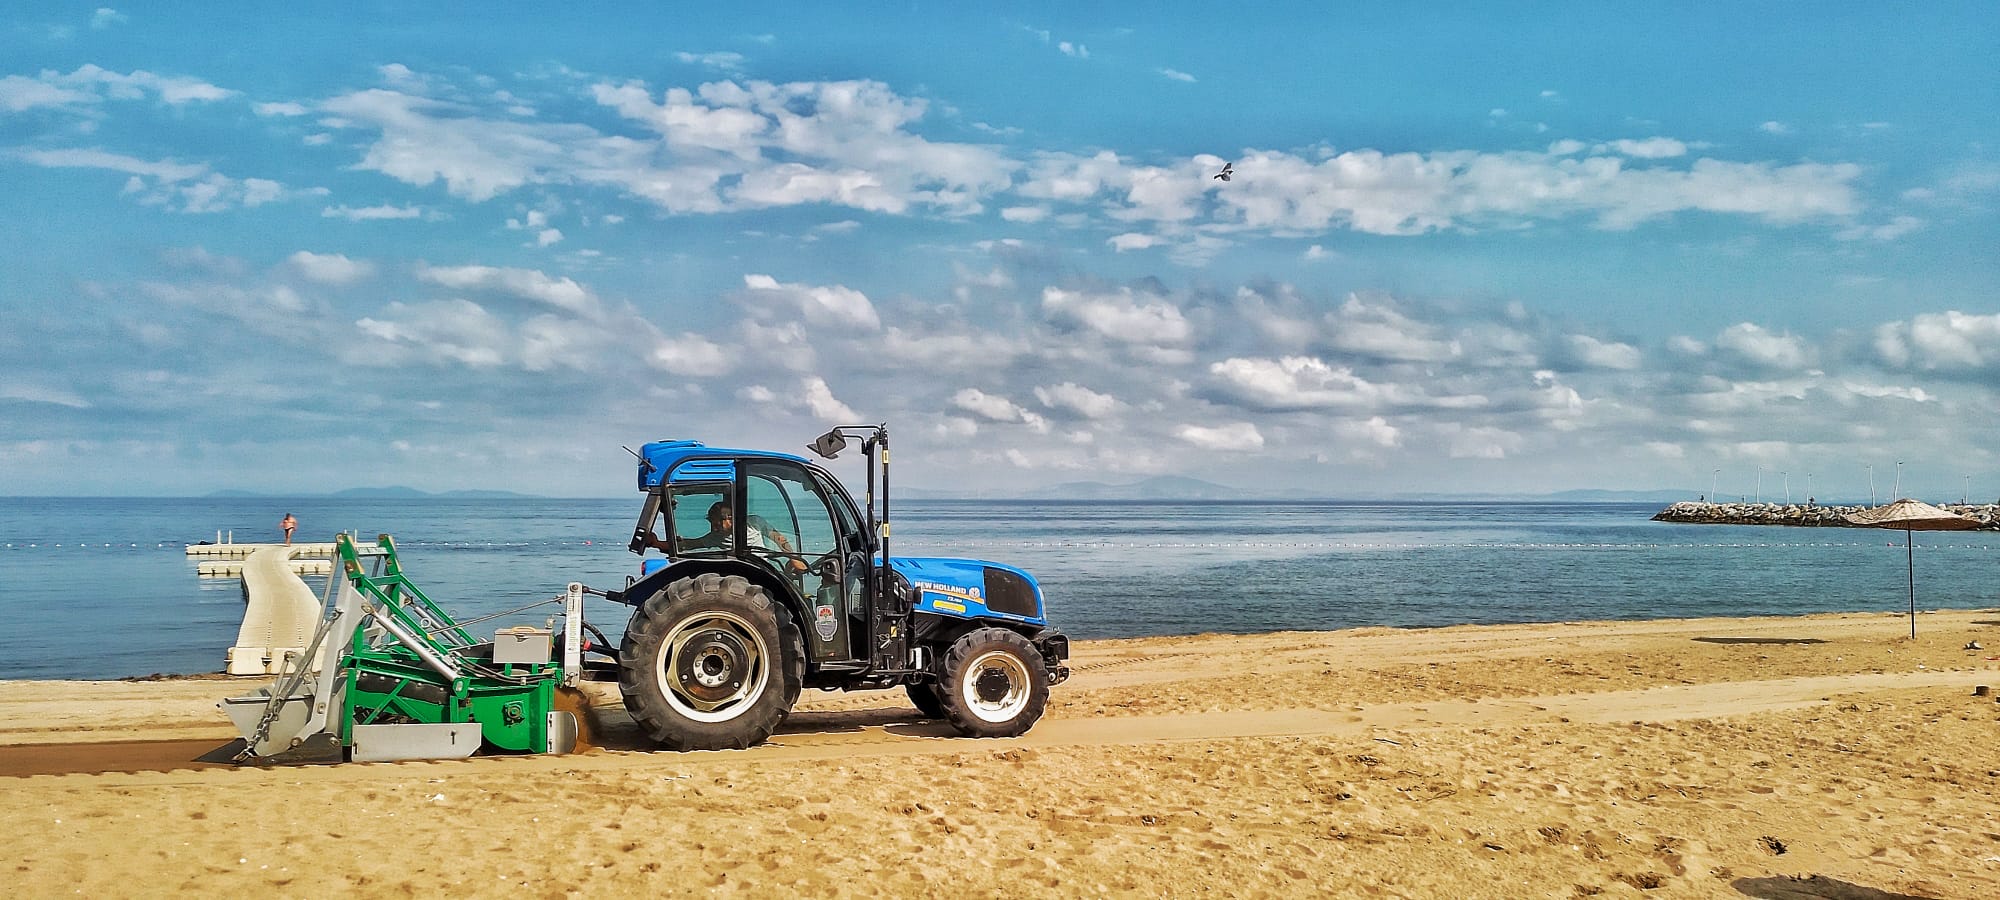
pixel 927 699
pixel 995 684
pixel 711 663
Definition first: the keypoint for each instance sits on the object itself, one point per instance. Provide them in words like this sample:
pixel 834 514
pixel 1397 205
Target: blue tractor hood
pixel 972 589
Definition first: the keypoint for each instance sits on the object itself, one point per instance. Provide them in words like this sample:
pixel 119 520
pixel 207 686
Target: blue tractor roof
pixel 693 460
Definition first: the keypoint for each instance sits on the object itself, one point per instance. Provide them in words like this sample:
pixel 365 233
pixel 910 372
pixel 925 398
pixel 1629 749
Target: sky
pixel 1745 248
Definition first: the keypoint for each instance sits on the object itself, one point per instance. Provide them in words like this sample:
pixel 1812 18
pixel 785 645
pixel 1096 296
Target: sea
pixel 101 588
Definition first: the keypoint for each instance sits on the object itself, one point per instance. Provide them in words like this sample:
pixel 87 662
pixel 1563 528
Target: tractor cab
pixel 773 518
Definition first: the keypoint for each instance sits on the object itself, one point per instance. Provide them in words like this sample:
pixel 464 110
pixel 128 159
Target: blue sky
pixel 1466 248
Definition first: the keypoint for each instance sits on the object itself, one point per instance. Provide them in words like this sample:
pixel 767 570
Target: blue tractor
pixel 770 580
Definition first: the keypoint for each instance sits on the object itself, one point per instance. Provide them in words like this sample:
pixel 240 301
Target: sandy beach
pixel 1685 758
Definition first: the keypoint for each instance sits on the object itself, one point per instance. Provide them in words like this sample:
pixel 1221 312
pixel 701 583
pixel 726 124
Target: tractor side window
pixel 784 501
pixel 687 508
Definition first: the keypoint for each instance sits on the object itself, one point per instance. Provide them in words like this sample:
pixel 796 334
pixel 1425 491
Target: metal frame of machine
pixel 390 675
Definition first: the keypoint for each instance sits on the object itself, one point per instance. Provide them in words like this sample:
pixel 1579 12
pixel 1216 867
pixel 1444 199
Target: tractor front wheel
pixel 710 663
pixel 994 684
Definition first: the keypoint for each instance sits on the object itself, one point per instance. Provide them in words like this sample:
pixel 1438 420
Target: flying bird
pixel 1227 170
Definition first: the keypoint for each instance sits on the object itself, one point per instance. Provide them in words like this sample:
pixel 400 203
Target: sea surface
pixel 102 588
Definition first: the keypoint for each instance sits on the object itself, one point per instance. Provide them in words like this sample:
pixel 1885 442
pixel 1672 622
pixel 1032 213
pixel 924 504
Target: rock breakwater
pixel 1809 515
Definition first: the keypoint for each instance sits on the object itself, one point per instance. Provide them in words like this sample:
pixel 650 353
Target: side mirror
pixel 829 445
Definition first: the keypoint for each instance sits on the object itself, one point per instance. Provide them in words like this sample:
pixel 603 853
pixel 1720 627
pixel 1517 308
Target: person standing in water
pixel 289 524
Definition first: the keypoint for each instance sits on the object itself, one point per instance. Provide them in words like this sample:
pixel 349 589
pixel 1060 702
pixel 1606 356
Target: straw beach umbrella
pixel 1912 516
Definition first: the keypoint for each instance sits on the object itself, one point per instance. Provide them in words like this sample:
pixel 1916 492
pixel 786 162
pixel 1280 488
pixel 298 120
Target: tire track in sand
pixel 823 736
pixel 895 732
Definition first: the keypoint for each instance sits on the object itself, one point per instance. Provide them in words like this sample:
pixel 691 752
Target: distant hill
pixel 1602 496
pixel 383 493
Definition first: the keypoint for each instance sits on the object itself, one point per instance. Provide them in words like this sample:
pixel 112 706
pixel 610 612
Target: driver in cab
pixel 722 534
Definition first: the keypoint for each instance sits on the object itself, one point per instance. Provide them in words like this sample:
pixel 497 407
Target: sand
pixel 1687 758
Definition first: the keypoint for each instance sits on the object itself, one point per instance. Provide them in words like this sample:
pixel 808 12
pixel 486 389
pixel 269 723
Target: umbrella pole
pixel 1910 551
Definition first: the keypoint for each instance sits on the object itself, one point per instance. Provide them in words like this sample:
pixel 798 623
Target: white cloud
pixel 548 236
pixel 1076 50
pixel 105 17
pixel 1947 340
pixel 452 331
pixel 1232 436
pixel 1026 215
pixel 18 94
pixel 1414 193
pixel 330 268
pixel 934 349
pixel 99 83
pixel 1177 75
pixel 1133 241
pixel 1375 431
pixel 1891 392
pixel 835 305
pixel 371 213
pixel 721 61
pixel 1295 382
pixel 1887 231
pixel 844 143
pixel 844 226
pixel 1687 346
pixel 1078 400
pixel 991 407
pixel 1381 330
pixel 279 109
pixel 527 284
pixel 1651 148
pixel 178 187
pixel 424 141
pixel 820 400
pixel 691 355
pixel 1310 383
pixel 1753 344
pixel 28 393
pixel 956 428
pixel 1121 316
pixel 1478 442
pixel 1775 127
pixel 163 171
pixel 1604 354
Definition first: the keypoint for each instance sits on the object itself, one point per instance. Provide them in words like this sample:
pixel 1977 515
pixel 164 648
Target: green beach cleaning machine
pixel 388 675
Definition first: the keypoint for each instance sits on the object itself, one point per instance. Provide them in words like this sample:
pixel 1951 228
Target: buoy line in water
pixel 1453 545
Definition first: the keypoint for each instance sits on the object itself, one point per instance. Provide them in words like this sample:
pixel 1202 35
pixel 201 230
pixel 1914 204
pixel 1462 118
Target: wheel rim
pixel 712 667
pixel 995 687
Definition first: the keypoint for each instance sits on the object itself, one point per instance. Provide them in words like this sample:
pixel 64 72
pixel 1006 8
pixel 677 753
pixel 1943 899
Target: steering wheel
pixel 826 565
pixel 800 564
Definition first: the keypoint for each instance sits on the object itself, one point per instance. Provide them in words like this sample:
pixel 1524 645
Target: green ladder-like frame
pixel 426 668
